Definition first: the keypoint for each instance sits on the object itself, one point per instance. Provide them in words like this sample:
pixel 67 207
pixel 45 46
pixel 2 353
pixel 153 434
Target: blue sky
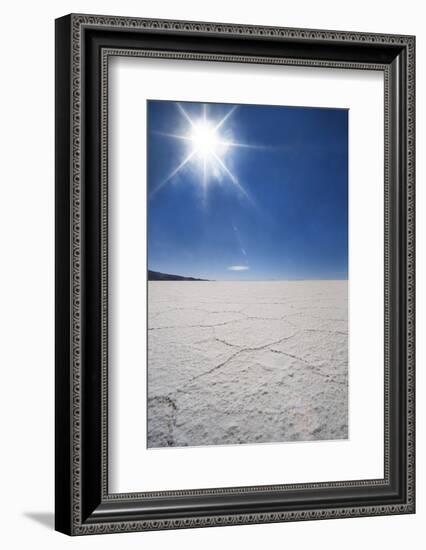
pixel 263 194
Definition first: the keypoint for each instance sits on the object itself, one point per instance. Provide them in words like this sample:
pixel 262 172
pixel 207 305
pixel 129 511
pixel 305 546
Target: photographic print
pixel 247 274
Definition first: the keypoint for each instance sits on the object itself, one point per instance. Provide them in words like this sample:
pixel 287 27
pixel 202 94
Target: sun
pixel 207 149
pixel 205 139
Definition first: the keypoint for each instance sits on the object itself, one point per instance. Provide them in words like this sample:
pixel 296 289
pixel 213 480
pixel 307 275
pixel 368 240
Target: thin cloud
pixel 238 268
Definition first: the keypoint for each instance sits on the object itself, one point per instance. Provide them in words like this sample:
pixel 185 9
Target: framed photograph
pixel 234 274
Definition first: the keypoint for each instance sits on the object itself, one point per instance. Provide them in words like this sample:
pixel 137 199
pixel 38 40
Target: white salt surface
pixel 247 362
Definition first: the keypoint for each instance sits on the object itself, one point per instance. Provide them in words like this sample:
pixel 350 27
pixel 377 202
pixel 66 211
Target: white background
pixel 132 81
pixel 26 302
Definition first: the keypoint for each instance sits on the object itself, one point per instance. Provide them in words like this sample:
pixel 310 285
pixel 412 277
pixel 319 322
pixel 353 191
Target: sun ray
pixel 245 145
pixel 204 178
pixel 222 121
pixel 175 171
pixel 185 114
pixel 174 136
pixel 232 177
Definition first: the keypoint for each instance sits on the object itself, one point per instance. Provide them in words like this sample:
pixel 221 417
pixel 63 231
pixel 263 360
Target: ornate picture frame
pixel 84 45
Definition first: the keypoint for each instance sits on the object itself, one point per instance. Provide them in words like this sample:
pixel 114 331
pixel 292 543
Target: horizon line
pixel 201 278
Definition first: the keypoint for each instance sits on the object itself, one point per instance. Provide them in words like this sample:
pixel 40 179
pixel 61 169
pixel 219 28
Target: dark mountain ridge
pixel 157 276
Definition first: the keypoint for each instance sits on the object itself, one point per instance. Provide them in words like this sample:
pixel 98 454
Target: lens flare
pixel 207 149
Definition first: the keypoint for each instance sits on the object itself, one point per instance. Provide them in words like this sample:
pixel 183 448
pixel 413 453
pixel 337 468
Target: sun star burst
pixel 207 149
pixel 205 139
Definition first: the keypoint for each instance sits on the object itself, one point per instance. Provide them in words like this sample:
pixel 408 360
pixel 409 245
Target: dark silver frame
pixel 84 43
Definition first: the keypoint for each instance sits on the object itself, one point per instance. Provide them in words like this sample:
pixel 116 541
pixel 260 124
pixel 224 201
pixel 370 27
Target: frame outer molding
pixel 69 67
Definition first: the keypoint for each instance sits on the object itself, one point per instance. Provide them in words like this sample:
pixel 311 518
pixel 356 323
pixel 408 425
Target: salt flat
pixel 247 362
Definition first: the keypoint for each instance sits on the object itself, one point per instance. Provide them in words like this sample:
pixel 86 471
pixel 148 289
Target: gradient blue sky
pixel 283 216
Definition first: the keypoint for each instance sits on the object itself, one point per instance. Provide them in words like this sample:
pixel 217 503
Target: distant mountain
pixel 157 276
